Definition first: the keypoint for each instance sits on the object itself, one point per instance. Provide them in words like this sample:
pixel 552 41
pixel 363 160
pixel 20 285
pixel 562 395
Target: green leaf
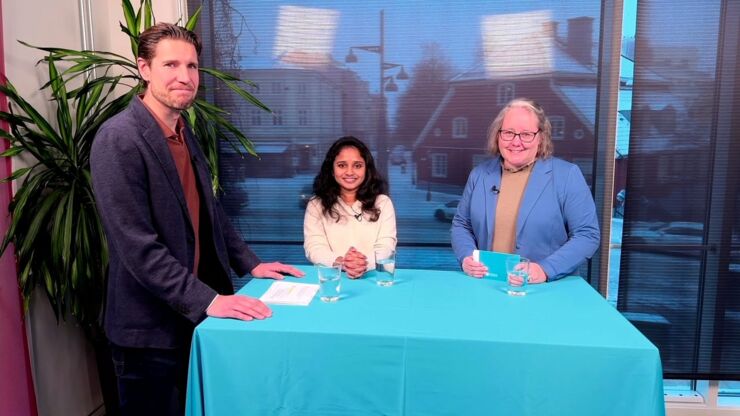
pixel 31 112
pixel 58 221
pixel 41 218
pixel 68 225
pixel 75 281
pixel 220 124
pixel 233 83
pixel 24 278
pixel 26 281
pixel 87 102
pixel 210 107
pixel 13 119
pixel 193 20
pixel 17 174
pixel 221 75
pixel 50 289
pixel 128 14
pixel 59 93
pixel 148 16
pixel 132 25
pixel 12 151
pixel 191 116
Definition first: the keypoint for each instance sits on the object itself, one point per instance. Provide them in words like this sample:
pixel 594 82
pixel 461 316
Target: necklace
pixel 357 215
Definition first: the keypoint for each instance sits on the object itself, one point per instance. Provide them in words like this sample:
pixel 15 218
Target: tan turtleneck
pixel 513 184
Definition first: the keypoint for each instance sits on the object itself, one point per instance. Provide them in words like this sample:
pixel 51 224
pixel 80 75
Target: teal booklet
pixel 495 261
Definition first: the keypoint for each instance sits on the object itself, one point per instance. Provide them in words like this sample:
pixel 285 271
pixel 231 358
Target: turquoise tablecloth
pixel 436 343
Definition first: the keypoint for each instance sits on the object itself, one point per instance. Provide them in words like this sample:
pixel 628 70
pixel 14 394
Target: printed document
pixel 289 293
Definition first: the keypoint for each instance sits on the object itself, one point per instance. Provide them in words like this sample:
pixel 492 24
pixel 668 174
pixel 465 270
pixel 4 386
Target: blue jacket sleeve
pixel 581 222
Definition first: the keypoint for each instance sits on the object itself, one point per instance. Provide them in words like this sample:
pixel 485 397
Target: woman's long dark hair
pixel 326 188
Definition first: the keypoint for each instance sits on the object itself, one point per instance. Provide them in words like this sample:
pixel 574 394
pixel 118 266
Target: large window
pixel 320 72
pixel 679 273
pixel 674 262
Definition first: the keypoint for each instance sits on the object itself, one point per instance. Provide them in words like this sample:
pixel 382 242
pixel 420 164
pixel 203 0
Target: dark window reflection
pixel 678 276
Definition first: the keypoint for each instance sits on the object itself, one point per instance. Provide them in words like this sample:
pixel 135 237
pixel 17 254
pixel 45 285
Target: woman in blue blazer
pixel 525 201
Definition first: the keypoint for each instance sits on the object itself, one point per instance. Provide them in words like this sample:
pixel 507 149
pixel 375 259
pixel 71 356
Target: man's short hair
pixel 149 39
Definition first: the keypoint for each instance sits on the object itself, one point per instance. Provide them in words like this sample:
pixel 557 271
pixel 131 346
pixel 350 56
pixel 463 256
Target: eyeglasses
pixel 525 136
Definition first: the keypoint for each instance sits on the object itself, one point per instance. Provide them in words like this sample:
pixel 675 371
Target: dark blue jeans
pixel 151 381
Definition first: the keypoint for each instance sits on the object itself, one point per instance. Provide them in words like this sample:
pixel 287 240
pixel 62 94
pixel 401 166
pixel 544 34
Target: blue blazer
pixel 153 297
pixel 556 226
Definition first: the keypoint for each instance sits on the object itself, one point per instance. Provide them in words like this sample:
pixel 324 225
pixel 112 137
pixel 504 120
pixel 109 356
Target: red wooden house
pixel 454 139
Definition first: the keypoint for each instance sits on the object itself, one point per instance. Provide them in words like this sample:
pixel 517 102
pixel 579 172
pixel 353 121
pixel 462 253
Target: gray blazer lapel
pixel 541 175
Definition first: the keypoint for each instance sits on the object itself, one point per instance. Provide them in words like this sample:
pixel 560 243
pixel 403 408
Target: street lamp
pixel 386 84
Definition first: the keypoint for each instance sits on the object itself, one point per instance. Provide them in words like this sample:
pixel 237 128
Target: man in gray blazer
pixel 170 242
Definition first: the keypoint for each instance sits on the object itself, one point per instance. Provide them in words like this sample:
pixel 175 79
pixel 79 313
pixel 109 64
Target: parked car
pixel 676 237
pixel 446 211
pixel 305 195
pixel 676 232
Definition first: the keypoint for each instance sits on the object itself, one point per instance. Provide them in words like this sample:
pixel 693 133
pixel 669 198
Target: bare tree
pixel 429 83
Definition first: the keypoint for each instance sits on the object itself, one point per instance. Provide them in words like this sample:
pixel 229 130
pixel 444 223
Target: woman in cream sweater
pixel 350 214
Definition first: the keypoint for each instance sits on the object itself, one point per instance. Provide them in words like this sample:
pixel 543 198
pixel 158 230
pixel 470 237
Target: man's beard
pixel 170 101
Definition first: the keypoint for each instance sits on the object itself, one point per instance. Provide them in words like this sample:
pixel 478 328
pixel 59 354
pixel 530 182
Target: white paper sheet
pixel 289 293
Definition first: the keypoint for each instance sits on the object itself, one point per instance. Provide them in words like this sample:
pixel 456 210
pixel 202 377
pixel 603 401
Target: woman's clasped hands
pixel 353 263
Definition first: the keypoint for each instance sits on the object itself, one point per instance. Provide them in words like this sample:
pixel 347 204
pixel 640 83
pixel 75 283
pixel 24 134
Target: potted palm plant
pixel 55 228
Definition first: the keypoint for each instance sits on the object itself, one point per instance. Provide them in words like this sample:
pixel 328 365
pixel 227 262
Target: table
pixel 435 343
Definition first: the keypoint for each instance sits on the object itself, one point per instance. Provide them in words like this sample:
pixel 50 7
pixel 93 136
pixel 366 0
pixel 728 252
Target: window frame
pixel 277 117
pixel 460 128
pixel 439 165
pixel 558 127
pixel 303 117
pixel 505 92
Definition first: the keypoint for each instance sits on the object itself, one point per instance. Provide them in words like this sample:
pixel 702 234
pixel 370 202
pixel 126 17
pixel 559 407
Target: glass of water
pixel 330 282
pixel 517 275
pixel 385 266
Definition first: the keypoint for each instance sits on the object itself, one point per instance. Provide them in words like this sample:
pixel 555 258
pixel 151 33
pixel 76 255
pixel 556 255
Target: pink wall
pixel 16 386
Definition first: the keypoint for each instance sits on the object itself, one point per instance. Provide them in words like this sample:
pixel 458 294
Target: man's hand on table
pixel 238 307
pixel 275 270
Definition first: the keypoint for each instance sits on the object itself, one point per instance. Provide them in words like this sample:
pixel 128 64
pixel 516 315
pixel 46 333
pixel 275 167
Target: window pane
pixel 505 93
pixel 558 127
pixel 459 127
pixel 680 207
pixel 318 67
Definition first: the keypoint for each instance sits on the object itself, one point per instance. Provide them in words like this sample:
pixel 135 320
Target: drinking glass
pixel 385 266
pixel 330 282
pixel 517 275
